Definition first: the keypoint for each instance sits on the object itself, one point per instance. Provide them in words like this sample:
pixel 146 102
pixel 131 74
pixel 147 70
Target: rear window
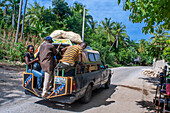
pixel 97 57
pixel 91 57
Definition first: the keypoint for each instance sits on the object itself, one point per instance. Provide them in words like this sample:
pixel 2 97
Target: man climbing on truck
pixel 70 56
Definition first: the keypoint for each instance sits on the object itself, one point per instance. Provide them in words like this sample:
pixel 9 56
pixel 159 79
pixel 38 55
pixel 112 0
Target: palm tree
pixel 13 4
pixel 34 13
pixel 78 8
pixel 19 17
pixel 10 9
pixel 23 19
pixel 119 34
pixel 3 4
pixel 92 23
pixel 108 26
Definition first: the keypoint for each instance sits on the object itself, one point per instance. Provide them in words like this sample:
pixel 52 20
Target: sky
pixel 101 9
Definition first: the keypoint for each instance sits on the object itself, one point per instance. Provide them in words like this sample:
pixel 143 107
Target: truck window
pixel 91 57
pixel 97 57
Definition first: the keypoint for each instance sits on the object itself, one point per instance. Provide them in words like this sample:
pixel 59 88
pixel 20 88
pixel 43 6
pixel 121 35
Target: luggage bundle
pixel 60 34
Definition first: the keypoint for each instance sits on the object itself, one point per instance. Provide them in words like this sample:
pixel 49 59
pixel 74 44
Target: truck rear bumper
pixel 68 99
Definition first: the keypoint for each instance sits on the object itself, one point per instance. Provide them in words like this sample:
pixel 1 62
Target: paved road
pixel 130 92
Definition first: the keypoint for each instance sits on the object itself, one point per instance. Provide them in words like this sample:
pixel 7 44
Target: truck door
pixel 94 68
pixel 104 75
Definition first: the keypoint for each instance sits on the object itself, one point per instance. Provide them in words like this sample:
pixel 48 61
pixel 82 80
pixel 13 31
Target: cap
pixel 48 38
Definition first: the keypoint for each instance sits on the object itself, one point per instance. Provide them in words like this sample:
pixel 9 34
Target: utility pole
pixel 83 24
pixel 25 8
pixel 19 18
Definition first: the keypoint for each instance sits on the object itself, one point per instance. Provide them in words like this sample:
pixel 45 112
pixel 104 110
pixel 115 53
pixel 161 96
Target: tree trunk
pixel 112 46
pixel 13 20
pixel 4 28
pixel 13 23
pixel 23 19
pixel 159 57
pixel 117 41
pixel 108 35
pixel 19 17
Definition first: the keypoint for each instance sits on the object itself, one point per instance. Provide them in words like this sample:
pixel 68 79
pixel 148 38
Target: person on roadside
pixel 30 61
pixel 47 61
pixel 70 57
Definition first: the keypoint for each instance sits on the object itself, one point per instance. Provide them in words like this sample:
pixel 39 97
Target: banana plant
pixel 39 30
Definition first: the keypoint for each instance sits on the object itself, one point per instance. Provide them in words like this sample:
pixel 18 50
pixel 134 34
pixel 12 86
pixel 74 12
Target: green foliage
pixel 11 51
pixel 39 29
pixel 1 13
pixel 20 50
pixel 166 52
pixel 74 23
pixel 159 43
pixel 126 56
pixel 34 13
pixel 98 41
pixel 120 36
pixel 2 53
pixel 151 12
pixel 108 26
pixel 61 9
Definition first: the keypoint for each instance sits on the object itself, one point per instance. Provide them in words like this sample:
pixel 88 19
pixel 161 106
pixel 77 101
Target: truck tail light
pixel 74 86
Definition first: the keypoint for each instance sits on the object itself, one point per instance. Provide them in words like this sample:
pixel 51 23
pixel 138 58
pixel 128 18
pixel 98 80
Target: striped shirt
pixel 71 54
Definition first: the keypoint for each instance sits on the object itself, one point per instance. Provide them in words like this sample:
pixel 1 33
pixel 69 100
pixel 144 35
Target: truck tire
pixel 87 96
pixel 107 84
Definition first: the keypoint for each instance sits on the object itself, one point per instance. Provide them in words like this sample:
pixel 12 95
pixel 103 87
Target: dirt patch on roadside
pixel 145 92
pixel 12 67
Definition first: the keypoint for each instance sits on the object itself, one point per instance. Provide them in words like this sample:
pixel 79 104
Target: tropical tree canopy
pixel 151 12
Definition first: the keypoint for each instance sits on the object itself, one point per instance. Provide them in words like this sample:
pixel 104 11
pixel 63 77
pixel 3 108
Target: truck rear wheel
pixel 107 84
pixel 87 96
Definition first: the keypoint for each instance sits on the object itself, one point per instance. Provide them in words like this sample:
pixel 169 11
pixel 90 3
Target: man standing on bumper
pixel 46 54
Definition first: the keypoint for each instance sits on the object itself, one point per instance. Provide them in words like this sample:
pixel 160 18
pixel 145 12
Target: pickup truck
pixel 66 89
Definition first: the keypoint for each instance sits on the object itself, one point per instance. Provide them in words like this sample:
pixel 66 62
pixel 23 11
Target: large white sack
pixel 57 34
pixel 60 34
